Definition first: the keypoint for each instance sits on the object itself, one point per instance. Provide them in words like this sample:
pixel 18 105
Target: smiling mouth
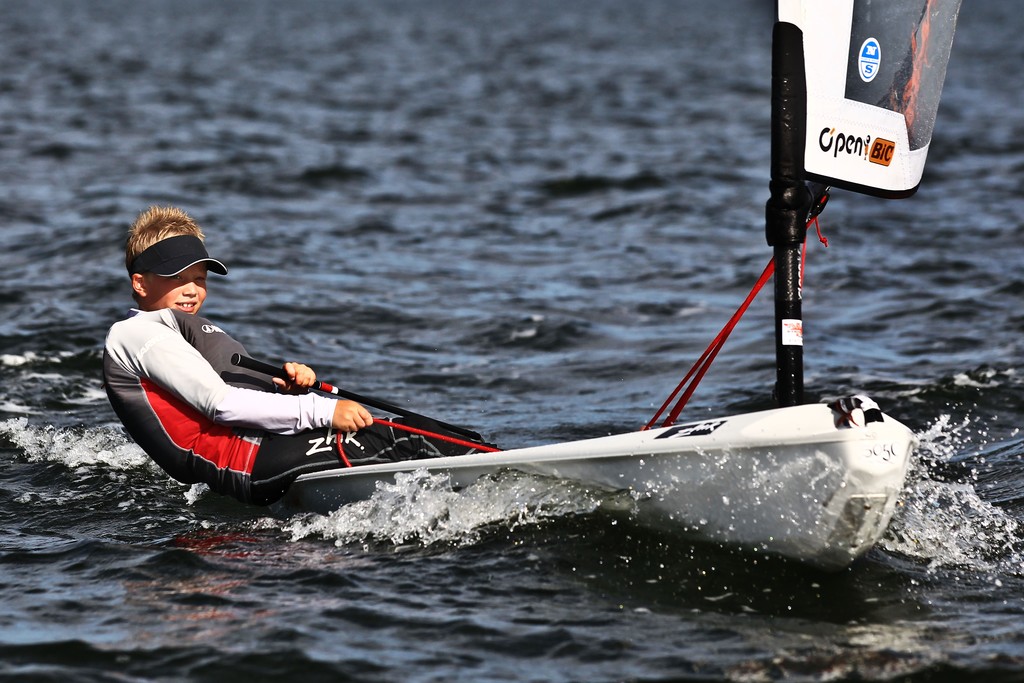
pixel 187 306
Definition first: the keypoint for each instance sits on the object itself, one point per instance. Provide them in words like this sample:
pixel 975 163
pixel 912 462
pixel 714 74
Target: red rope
pixel 703 363
pixel 339 441
pixel 434 435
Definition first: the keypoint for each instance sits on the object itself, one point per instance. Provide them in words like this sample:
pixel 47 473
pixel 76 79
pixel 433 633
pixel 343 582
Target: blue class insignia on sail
pixel 869 60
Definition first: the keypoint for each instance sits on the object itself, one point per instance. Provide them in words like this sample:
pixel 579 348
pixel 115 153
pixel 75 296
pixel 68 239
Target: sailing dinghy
pixel 855 90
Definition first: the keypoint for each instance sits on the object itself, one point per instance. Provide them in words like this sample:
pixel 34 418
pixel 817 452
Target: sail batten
pixel 874 71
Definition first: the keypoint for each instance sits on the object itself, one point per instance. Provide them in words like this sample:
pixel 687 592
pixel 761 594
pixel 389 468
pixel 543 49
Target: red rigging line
pixel 703 364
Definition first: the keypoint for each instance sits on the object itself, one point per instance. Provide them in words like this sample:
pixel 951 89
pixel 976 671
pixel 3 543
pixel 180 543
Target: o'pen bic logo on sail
pixel 870 58
pixel 879 151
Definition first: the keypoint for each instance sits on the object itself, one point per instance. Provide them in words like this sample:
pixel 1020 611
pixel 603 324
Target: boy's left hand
pixel 299 377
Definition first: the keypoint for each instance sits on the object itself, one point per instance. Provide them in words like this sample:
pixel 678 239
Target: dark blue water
pixel 529 218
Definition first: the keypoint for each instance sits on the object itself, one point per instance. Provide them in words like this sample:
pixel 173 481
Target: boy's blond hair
pixel 157 223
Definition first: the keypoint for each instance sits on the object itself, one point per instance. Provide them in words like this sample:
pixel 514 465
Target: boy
pixel 169 378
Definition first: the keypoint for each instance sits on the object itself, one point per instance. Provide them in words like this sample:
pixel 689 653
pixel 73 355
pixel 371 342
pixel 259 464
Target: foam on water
pixel 75 447
pixel 947 524
pixel 19 359
pixel 419 507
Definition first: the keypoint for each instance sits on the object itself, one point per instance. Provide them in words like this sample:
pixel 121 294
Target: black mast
pixel 787 209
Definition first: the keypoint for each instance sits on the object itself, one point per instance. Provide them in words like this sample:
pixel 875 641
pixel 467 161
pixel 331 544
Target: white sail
pixel 874 71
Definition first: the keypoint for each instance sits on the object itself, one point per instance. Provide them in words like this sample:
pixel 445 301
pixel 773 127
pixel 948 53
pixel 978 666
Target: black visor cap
pixel 172 255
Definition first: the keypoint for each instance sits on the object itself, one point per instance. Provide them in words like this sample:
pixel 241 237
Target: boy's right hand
pixel 300 378
pixel 350 416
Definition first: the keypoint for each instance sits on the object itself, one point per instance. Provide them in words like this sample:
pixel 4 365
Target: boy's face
pixel 185 291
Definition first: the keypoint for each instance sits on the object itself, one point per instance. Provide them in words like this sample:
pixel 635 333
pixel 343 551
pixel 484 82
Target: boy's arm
pixel 149 349
pixel 279 413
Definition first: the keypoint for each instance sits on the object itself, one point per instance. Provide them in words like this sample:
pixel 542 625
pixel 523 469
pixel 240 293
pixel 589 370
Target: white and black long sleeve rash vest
pixel 170 380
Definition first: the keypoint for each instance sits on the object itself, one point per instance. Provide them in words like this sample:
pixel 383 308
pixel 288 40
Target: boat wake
pixel 420 507
pixel 948 519
pixel 957 510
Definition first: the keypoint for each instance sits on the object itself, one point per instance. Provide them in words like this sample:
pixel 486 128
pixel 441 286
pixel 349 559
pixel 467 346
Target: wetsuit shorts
pixel 282 458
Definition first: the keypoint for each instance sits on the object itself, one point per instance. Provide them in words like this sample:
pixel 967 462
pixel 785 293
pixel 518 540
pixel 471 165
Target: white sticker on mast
pixel 874 75
pixel 792 332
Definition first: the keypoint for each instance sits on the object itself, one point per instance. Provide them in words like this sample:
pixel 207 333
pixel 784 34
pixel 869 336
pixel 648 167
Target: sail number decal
pixel 695 429
pixel 884 451
pixel 869 59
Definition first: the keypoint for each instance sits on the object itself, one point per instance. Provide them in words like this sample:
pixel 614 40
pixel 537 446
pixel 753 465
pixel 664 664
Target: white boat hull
pixel 787 482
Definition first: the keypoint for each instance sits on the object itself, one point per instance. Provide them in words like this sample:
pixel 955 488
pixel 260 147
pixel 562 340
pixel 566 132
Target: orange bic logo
pixel 882 151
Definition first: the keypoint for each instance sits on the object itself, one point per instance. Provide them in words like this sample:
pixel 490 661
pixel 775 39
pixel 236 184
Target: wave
pixel 75 447
pixel 536 332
